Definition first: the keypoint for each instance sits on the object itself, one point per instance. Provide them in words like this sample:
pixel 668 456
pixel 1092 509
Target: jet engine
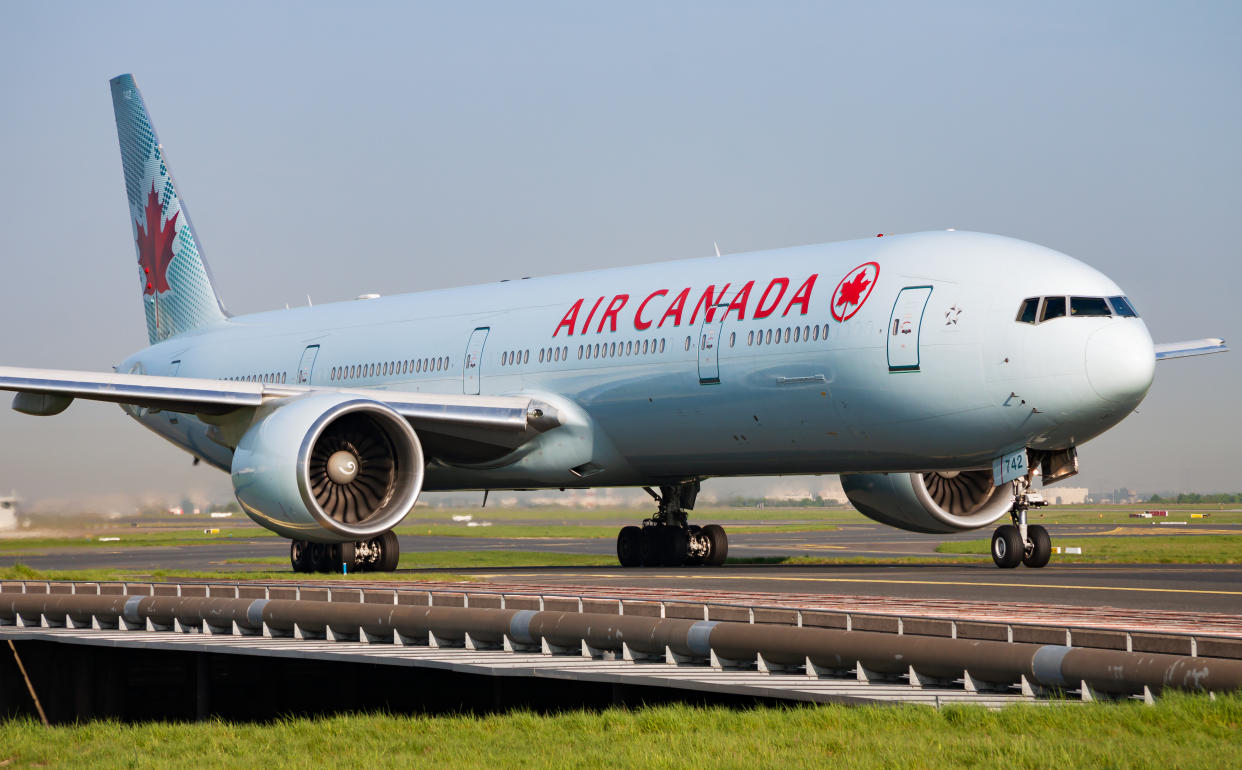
pixel 938 503
pixel 328 468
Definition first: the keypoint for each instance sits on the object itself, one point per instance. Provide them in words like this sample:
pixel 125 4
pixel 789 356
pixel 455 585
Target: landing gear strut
pixel 667 539
pixel 379 554
pixel 1019 542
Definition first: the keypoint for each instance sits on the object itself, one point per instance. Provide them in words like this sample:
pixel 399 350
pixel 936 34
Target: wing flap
pixel 1202 347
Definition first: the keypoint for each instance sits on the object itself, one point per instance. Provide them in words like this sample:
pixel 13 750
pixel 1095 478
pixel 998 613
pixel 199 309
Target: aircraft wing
pixel 50 391
pixel 1190 348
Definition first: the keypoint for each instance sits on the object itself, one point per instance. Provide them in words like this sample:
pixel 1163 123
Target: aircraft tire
pixel 346 561
pixel 390 552
pixel 676 547
pixel 1007 547
pixel 719 541
pixel 299 555
pixel 629 546
pixel 1041 547
pixel 320 557
pixel 693 531
pixel 649 546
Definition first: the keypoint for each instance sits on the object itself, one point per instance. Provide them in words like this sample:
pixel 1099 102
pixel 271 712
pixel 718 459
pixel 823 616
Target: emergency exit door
pixel 306 367
pixel 710 340
pixel 472 364
pixel 904 328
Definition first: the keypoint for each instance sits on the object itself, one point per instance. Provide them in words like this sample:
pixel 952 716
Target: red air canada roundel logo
pixel 853 290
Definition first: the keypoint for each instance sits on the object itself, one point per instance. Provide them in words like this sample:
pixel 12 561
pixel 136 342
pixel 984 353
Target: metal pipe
pixel 1054 666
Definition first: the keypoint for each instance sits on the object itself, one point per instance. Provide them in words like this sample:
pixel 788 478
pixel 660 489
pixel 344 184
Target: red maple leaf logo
pixel 155 245
pixel 851 291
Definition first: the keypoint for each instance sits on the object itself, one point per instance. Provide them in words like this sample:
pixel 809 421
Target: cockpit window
pixel 1122 307
pixel 1089 306
pixel 1029 312
pixel 1054 307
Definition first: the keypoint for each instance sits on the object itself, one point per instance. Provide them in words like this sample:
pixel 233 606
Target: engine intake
pixel 329 468
pixel 939 502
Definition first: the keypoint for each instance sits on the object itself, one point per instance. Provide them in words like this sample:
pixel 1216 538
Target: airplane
pixel 937 379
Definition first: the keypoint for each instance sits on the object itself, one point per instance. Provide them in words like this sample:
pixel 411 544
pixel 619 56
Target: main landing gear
pixel 379 554
pixel 1019 542
pixel 667 539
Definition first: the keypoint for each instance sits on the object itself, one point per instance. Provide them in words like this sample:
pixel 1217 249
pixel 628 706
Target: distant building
pixel 1065 495
pixel 8 512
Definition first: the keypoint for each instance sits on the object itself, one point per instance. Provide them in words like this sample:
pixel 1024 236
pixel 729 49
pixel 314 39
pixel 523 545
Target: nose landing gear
pixel 1019 542
pixel 667 539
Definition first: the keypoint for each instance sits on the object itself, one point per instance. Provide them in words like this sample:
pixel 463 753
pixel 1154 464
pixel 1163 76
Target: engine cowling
pixel 328 468
pixel 935 503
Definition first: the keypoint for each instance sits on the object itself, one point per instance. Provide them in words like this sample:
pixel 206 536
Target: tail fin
pixel 177 290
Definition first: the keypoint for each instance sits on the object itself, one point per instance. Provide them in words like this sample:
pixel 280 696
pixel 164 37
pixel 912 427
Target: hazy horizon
pixel 334 151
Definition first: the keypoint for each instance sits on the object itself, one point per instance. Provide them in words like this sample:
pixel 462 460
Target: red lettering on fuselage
pixel 739 302
pixel 590 315
pixel 760 312
pixel 709 302
pixel 802 296
pixel 639 323
pixel 568 321
pixel 674 310
pixel 610 314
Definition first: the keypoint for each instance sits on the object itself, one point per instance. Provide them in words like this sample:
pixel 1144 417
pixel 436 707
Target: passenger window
pixel 1095 306
pixel 1029 312
pixel 1122 307
pixel 1054 307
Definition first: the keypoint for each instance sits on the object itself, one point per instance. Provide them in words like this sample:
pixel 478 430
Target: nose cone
pixel 1121 361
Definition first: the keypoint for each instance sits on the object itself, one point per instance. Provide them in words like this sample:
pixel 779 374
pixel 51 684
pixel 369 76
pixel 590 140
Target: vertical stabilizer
pixel 177 290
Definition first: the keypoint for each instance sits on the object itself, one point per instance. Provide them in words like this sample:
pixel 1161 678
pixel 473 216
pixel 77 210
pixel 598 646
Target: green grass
pixel 1179 731
pixel 573 530
pixel 20 571
pixel 476 559
pixel 1140 549
pixel 131 538
pixel 878 560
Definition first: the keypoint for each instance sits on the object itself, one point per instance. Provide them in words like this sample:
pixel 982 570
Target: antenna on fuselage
pixel 717 245
pixel 308 301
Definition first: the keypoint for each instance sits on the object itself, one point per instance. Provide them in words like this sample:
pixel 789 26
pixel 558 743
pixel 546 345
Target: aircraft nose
pixel 1121 362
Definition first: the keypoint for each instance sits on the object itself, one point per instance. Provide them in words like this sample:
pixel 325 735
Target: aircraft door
pixel 711 337
pixel 307 365
pixel 904 328
pixel 473 361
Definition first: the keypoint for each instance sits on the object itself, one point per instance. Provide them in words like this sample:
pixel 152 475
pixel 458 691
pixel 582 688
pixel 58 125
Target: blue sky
pixel 332 151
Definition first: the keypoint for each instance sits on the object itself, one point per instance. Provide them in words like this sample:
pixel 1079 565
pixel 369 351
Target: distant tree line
pixel 763 502
pixel 1195 497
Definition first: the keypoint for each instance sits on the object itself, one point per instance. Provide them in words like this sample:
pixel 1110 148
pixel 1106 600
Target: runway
pixel 1165 587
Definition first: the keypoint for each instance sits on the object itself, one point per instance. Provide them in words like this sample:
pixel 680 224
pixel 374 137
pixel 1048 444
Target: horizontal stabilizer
pixel 1190 348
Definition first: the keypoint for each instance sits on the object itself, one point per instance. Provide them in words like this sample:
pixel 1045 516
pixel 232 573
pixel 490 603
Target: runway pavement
pixel 1203 588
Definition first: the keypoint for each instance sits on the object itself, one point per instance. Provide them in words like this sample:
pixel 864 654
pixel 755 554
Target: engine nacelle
pixel 936 503
pixel 328 468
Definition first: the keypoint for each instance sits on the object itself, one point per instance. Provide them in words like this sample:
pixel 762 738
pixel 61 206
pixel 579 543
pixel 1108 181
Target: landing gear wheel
pixel 320 557
pixel 1007 546
pixel 719 545
pixel 694 532
pixel 390 552
pixel 629 546
pixel 649 547
pixel 346 561
pixel 299 556
pixel 1041 547
pixel 676 549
